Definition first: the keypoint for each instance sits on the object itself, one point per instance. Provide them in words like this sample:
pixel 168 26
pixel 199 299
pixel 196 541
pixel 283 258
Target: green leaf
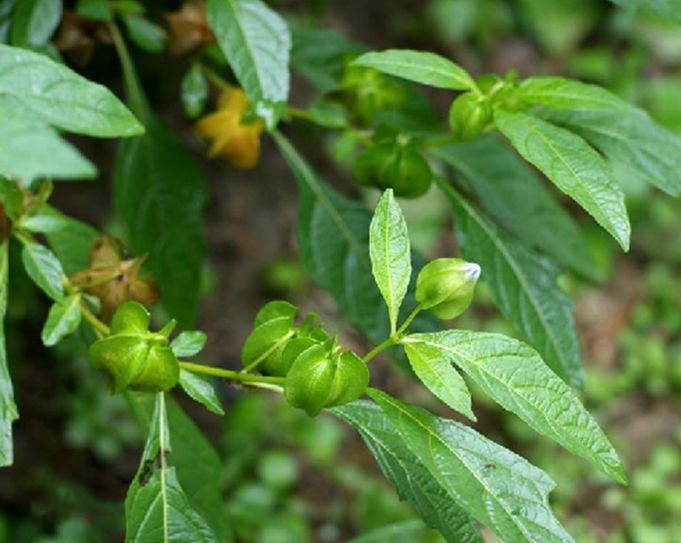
pixel 29 148
pixel 413 481
pixel 390 253
pixel 516 377
pixel 62 320
pixel 333 234
pixel 666 8
pixel 97 10
pixel 256 42
pixel 145 34
pixel 194 91
pixel 8 409
pixel 500 489
pixel 43 267
pixel 156 508
pixel 406 531
pixel 159 191
pixel 437 373
pixel 200 390
pixel 623 132
pixel 573 166
pixel 34 22
pixel 11 198
pixel 194 459
pixel 514 196
pixel 61 97
pixel 188 343
pixel 69 238
pixel 419 66
pixel 524 287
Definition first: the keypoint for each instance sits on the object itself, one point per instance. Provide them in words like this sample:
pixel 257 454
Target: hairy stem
pixel 231 375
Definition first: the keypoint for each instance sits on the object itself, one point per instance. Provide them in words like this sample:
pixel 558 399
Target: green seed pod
pixel 135 357
pixel 446 286
pixel 409 174
pixel 282 359
pixel 370 165
pixel 321 377
pixel 469 114
pixel 273 327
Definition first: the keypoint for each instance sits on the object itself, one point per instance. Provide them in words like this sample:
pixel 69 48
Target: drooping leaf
pixel 69 238
pixel 572 165
pixel 390 253
pixel 8 409
pixel 34 22
pixel 333 234
pixel 61 97
pixel 514 196
pixel 195 461
pixel 29 148
pixel 62 320
pixel 159 191
pixel 500 489
pixel 623 132
pixel 439 375
pixel 514 375
pixel 156 508
pixel 43 267
pixel 413 481
pixel 256 42
pixel 419 66
pixel 524 288
pixel 200 390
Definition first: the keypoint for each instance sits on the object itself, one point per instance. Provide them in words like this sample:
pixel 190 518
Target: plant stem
pixel 244 378
pixel 395 338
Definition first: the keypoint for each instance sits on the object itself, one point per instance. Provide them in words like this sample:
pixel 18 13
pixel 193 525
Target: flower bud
pixel 469 114
pixel 446 285
pixel 135 357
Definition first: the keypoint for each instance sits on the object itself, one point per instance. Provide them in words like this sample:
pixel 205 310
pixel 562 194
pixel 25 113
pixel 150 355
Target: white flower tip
pixel 471 271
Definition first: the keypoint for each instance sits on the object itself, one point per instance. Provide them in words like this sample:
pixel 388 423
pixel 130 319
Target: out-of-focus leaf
pixel 256 42
pixel 666 8
pixel 61 97
pixel 34 22
pixel 194 91
pixel 8 409
pixel 145 34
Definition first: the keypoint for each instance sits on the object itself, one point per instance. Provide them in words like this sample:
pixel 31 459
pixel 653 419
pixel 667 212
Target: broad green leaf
pixel 159 191
pixel 8 409
pixel 69 238
pixel 516 377
pixel 61 97
pixel 43 267
pixel 666 8
pixel 514 196
pixel 200 390
pixel 34 22
pixel 390 253
pixel 333 234
pixel 500 489
pixel 572 165
pixel 419 66
pixel 413 481
pixel 194 91
pixel 195 461
pixel 524 287
pixel 437 373
pixel 62 320
pixel 29 148
pixel 188 343
pixel 256 42
pixel 145 34
pixel 156 508
pixel 623 132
